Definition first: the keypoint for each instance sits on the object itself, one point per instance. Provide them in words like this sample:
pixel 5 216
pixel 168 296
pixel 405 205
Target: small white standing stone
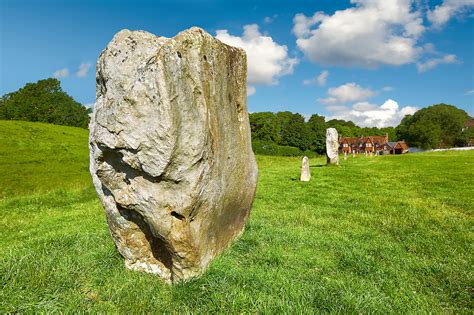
pixel 332 146
pixel 305 171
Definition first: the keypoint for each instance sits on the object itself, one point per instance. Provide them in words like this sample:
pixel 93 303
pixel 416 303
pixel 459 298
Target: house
pixel 348 145
pixel 400 148
pixel 371 144
pixel 375 143
pixel 470 143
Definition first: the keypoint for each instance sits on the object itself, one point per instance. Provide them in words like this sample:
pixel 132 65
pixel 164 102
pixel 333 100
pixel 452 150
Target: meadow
pixel 386 234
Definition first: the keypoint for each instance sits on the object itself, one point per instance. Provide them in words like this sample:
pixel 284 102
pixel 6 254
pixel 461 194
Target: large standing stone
pixel 332 146
pixel 305 172
pixel 171 156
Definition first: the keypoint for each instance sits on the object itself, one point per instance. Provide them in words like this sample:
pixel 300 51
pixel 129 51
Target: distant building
pixel 371 144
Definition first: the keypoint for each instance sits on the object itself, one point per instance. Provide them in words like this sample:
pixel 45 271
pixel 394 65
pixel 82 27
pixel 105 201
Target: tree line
pixel 435 126
pixel 44 101
pixel 286 131
pixel 282 133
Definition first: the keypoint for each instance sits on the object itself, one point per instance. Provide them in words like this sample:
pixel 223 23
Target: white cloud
pixel 266 59
pixel 469 92
pixel 83 69
pixel 369 34
pixel 349 92
pixel 270 19
pixel 368 115
pixel 445 11
pixel 302 23
pixel 251 90
pixel 321 79
pixel 88 105
pixel 388 88
pixel 431 63
pixel 62 73
pixel 336 108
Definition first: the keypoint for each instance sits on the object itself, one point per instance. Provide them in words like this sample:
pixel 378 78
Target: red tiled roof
pixel 358 140
pixel 401 145
pixel 378 139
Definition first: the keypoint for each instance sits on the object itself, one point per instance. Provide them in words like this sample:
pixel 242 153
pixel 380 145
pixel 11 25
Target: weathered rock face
pixel 170 150
pixel 332 146
pixel 305 172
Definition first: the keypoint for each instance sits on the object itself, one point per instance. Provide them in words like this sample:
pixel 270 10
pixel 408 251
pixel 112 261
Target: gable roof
pixel 378 139
pixel 401 145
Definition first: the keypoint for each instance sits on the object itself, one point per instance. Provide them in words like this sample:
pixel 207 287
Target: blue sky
pixel 371 61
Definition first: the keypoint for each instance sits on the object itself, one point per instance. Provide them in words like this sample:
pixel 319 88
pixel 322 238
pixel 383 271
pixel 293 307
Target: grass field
pixel 378 234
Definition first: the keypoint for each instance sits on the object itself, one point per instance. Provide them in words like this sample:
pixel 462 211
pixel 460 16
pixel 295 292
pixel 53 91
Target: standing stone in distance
pixel 305 171
pixel 332 146
pixel 170 150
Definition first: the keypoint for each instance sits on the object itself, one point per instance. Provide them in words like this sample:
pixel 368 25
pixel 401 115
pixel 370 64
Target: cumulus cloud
pixel 442 13
pixel 61 73
pixel 83 69
pixel 366 114
pixel 266 59
pixel 433 62
pixel 321 79
pixel 369 34
pixel 349 92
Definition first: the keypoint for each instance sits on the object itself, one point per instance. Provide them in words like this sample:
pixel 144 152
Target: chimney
pixel 386 137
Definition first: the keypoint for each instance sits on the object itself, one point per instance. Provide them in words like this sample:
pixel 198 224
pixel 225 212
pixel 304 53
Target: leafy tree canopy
pixel 435 126
pixel 44 101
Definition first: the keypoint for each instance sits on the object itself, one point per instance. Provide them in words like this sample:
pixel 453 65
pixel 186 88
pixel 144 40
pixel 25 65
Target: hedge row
pixel 265 148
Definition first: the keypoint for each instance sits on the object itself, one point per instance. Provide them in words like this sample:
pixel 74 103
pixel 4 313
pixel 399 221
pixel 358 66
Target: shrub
pixel 268 148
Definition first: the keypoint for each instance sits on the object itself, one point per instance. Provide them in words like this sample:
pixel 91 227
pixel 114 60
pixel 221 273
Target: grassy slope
pixel 382 234
pixel 37 157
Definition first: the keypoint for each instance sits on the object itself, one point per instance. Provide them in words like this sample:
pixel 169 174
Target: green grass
pixel 39 157
pixel 378 234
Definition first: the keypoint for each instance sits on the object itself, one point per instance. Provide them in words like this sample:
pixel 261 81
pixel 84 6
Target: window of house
pixel 368 145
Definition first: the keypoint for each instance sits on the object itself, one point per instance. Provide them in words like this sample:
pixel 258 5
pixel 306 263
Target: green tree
pixel 391 132
pixel 435 126
pixel 344 128
pixel 265 127
pixel 293 130
pixel 316 126
pixel 43 101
